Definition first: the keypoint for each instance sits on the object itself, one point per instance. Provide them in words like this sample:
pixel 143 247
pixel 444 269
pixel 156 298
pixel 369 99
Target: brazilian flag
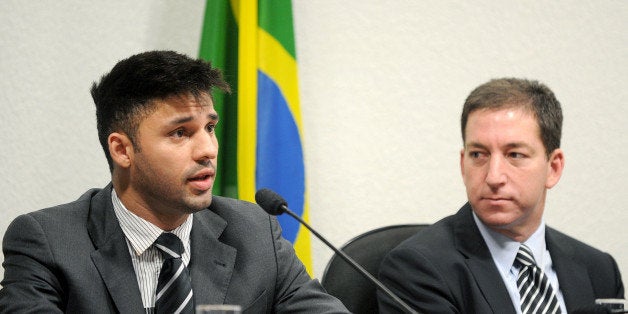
pixel 260 130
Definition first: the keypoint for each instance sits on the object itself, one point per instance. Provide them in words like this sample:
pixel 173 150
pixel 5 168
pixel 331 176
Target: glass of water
pixel 218 309
pixel 613 305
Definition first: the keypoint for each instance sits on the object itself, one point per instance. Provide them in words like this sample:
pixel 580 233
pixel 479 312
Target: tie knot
pixel 170 245
pixel 524 256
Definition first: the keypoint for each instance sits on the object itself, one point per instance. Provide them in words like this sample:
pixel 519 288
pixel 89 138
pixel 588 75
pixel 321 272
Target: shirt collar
pixel 504 250
pixel 140 233
pixel 537 244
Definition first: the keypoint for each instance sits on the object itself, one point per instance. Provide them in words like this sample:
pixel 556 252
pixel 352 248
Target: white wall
pixel 382 86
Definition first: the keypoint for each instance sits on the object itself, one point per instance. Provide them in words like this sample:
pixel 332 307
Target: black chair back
pixel 357 293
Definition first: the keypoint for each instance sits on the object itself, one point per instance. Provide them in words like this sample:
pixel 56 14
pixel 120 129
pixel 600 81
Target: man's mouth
pixel 203 180
pixel 200 178
pixel 495 198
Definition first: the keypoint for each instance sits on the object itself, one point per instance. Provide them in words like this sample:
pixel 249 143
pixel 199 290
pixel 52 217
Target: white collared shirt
pixel 147 259
pixel 504 251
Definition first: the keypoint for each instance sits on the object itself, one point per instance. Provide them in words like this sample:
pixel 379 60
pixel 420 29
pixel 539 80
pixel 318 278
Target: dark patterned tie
pixel 537 294
pixel 174 288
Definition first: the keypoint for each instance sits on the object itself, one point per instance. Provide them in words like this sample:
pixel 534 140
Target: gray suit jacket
pixel 73 258
pixel 448 268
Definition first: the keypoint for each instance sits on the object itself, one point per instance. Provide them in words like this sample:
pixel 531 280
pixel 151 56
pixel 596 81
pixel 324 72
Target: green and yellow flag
pixel 252 41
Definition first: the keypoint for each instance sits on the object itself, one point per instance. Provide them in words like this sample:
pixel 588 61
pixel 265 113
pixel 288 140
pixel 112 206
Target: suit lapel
pixel 573 277
pixel 470 243
pixel 111 256
pixel 212 262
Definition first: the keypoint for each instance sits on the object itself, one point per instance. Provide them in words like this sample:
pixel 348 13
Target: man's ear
pixel 120 149
pixel 462 162
pixel 556 165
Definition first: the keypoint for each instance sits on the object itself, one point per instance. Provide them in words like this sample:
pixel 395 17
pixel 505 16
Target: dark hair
pixel 529 95
pixel 124 96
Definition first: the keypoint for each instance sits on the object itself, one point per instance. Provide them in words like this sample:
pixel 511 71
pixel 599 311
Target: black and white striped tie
pixel 537 294
pixel 174 288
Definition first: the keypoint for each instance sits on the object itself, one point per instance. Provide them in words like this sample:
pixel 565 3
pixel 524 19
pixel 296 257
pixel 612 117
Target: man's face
pixel 506 171
pixel 173 171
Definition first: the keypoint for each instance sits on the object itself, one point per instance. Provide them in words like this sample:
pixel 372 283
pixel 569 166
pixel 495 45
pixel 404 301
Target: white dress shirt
pixel 147 259
pixel 504 251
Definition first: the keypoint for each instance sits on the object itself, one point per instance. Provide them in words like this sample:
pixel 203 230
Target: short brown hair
pixel 124 96
pixel 528 94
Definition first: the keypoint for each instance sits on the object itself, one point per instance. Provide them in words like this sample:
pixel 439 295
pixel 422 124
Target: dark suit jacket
pixel 448 268
pixel 74 258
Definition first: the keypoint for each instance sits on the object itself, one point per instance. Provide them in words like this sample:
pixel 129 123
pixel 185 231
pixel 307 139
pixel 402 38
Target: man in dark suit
pixel 470 262
pixel 102 253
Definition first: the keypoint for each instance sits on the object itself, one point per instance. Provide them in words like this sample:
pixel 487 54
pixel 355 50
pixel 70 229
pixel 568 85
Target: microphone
pixel 275 205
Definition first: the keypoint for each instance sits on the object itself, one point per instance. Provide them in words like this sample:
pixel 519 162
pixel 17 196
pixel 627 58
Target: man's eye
pixel 178 133
pixel 210 128
pixel 516 155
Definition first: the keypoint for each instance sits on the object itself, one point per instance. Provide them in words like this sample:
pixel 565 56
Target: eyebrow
pixel 474 145
pixel 181 120
pixel 509 145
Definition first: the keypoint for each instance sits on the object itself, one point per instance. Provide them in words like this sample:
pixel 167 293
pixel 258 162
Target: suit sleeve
pixel 618 282
pixel 415 280
pixel 29 283
pixel 616 290
pixel 296 292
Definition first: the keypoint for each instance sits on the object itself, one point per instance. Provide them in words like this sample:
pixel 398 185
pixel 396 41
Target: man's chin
pixel 497 218
pixel 199 203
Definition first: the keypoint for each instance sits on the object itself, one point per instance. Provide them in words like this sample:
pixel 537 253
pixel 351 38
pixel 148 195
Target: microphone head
pixel 271 202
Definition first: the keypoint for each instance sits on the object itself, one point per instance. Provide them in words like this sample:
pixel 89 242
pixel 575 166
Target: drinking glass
pixel 218 309
pixel 613 305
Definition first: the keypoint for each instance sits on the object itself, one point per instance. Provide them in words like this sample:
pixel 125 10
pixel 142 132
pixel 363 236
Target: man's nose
pixel 496 174
pixel 206 147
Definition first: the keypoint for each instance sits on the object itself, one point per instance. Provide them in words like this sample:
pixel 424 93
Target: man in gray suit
pixel 156 124
pixel 465 263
